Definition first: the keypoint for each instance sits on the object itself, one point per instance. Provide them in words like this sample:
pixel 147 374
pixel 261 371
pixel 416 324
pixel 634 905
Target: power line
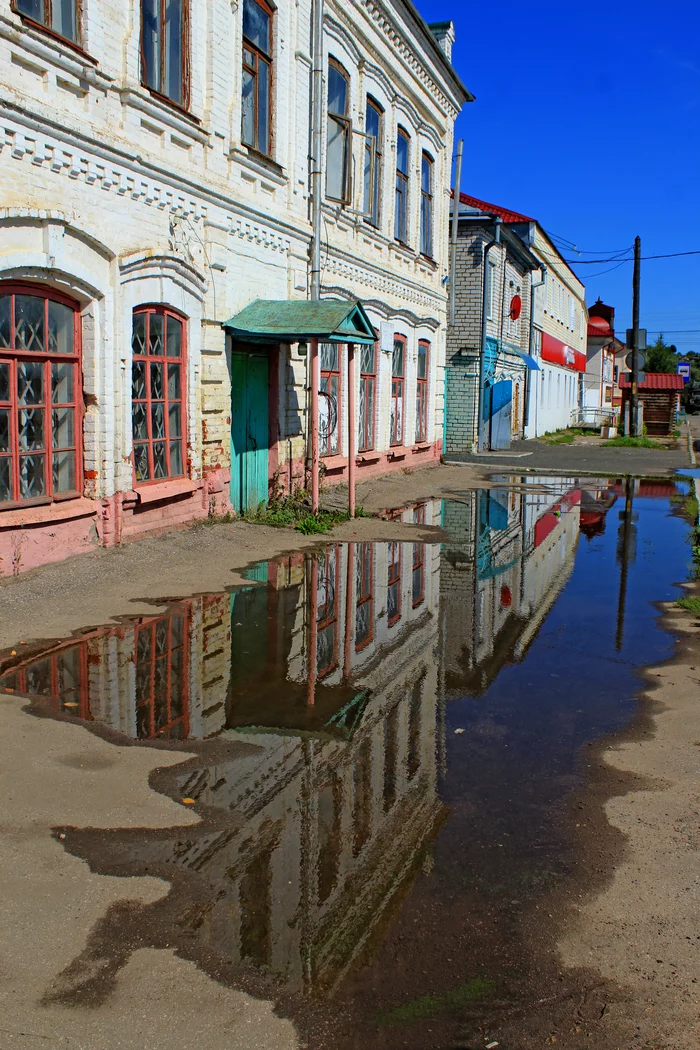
pixel 592 262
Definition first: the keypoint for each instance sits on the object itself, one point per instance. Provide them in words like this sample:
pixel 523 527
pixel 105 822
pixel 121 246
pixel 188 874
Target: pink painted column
pixel 352 429
pixel 315 459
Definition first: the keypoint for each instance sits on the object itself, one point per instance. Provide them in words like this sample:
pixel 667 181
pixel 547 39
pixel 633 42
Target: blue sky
pixel 587 117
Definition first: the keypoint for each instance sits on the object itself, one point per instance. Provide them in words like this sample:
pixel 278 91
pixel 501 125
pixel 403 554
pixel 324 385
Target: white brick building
pixel 149 192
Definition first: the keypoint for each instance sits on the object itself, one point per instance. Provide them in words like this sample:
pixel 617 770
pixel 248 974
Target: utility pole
pixel 636 276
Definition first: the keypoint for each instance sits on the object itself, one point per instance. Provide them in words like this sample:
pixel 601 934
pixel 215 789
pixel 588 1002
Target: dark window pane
pixel 174 419
pixel 4 429
pixel 64 472
pixel 176 459
pixel 61 328
pixel 141 462
pixel 174 66
pixel 157 385
pixel 400 229
pixel 402 154
pixel 426 175
pixel 160 467
pixel 397 358
pixel 174 337
pixel 63 428
pixel 39 678
pixel 5 480
pixel 4 381
pixel 174 381
pixel 155 337
pixel 138 380
pixel 139 421
pixel 248 109
pixel 62 383
pixel 422 360
pixel 5 325
pixel 138 337
pixel 32 8
pixel 263 143
pixel 30 429
pixel 64 20
pixel 29 323
pixel 32 480
pixel 372 122
pixel 158 420
pixel 367 360
pixel 256 25
pixel 30 383
pixel 336 159
pixel 426 225
pixel 337 92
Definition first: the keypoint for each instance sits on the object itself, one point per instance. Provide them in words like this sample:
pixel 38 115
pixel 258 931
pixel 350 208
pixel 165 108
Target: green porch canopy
pixel 296 321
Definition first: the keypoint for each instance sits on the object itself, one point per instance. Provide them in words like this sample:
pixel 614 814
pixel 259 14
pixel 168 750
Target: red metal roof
pixel 494 209
pixel 655 381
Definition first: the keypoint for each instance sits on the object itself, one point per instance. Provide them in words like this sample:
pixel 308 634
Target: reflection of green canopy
pixel 293 321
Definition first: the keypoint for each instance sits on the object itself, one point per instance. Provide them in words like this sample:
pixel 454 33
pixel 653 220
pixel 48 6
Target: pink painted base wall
pixel 40 544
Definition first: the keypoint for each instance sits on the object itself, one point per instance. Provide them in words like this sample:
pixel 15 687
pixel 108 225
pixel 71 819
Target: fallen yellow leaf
pixel 188 801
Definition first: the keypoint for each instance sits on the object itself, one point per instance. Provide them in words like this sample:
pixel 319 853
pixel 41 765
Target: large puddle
pixel 388 737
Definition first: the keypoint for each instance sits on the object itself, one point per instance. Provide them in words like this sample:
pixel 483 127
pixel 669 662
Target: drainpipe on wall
pixel 312 373
pixel 530 342
pixel 482 371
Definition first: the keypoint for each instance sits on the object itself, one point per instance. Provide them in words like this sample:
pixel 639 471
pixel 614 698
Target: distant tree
pixel 661 356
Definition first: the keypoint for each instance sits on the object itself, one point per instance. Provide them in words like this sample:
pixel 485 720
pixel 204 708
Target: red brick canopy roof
pixel 494 209
pixel 655 381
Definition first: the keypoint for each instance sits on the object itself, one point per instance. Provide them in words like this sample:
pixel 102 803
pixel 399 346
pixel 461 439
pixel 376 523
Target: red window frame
pixel 10 357
pixel 78 706
pixel 161 690
pixel 368 382
pixel 325 385
pixel 364 591
pixel 394 580
pixel 397 423
pixel 150 359
pixel 327 610
pixel 422 392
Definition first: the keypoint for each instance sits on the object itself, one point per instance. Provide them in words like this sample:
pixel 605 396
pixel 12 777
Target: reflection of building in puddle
pixel 322 821
pixel 510 553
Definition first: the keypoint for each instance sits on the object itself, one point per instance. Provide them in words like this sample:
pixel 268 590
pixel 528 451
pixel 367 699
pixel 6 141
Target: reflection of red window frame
pixel 419 563
pixel 83 710
pixel 324 621
pixel 422 395
pixel 394 576
pixel 367 579
pixel 369 379
pixel 46 358
pixel 149 701
pixel 397 395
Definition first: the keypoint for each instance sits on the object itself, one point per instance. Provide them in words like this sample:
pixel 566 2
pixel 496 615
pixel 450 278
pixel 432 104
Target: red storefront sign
pixel 558 353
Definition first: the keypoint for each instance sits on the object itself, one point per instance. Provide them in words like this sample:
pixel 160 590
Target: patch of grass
pixel 690 604
pixel 324 521
pixel 563 439
pixel 433 1005
pixel 627 441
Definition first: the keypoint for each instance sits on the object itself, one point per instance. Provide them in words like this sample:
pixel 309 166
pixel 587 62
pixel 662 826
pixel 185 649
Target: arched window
pixel 422 390
pixel 158 394
pixel 40 395
pixel 374 118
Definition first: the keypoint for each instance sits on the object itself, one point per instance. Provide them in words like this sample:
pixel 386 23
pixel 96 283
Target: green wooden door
pixel 249 430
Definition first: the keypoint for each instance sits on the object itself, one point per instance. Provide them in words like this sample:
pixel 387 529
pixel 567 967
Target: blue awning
pixel 529 361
